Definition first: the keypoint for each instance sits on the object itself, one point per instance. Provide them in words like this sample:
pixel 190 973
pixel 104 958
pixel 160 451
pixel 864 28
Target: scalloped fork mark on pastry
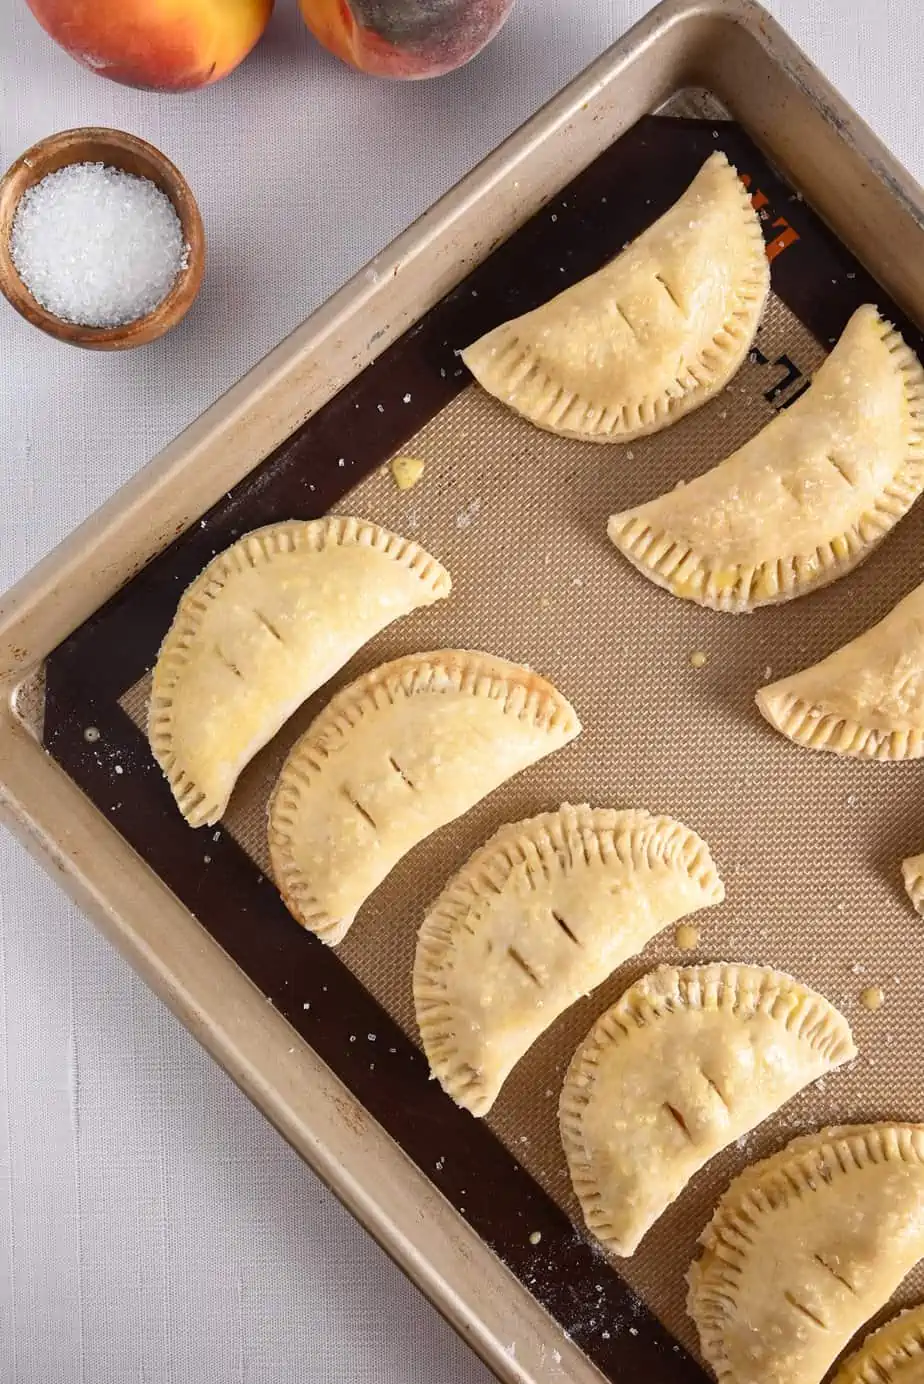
pixel 653 335
pixel 805 500
pixel 266 624
pixel 538 917
pixel 395 756
pixel 866 699
pixel 804 1248
pixel 685 1063
pixel 892 1355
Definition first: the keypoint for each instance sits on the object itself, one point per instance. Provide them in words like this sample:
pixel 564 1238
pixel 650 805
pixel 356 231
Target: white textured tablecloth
pixel 152 1226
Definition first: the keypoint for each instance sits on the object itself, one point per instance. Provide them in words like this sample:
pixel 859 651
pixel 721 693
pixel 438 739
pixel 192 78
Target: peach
pixel 166 45
pixel 405 38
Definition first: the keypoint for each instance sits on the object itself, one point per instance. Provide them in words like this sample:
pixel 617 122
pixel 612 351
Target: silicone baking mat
pixel 809 847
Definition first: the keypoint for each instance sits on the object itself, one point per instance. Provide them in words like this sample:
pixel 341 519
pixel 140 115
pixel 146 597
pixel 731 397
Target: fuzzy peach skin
pixel 165 45
pixel 405 38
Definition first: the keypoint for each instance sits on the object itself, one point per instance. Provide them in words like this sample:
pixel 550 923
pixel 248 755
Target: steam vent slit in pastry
pixel 805 500
pixel 806 1247
pixel 538 917
pixel 266 624
pixel 688 1061
pixel 395 756
pixel 866 699
pixel 892 1355
pixel 654 334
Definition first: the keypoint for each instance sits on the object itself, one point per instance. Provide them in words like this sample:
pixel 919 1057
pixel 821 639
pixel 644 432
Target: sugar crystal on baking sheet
pixel 96 246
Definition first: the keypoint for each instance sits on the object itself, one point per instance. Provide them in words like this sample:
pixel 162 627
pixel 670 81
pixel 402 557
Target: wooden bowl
pixel 132 155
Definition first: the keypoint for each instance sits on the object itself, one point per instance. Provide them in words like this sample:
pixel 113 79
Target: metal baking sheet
pixel 519 519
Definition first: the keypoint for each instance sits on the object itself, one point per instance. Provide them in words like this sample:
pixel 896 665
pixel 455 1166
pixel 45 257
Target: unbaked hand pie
pixel 654 334
pixel 864 700
pixel 892 1355
pixel 913 875
pixel 396 755
pixel 805 500
pixel 266 624
pixel 688 1061
pixel 537 918
pixel 804 1248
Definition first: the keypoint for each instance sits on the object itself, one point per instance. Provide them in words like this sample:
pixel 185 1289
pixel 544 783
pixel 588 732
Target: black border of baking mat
pixel 608 204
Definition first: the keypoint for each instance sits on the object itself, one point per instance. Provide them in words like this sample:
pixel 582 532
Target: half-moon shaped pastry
pixel 266 624
pixel 537 918
pixel 913 875
pixel 805 500
pixel 654 334
pixel 688 1061
pixel 864 700
pixel 804 1248
pixel 396 755
pixel 892 1355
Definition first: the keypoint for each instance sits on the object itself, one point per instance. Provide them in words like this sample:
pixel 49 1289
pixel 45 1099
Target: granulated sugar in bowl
pixel 97 246
pixel 102 244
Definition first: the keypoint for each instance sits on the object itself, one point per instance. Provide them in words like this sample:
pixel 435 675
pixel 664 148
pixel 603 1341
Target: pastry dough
pixel 864 700
pixel 892 1355
pixel 805 500
pixel 267 623
pixel 654 334
pixel 806 1247
pixel 537 918
pixel 399 753
pixel 685 1063
pixel 913 875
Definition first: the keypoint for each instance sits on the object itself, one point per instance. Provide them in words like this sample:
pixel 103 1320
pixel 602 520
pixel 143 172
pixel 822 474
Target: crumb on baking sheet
pixel 698 658
pixel 406 471
pixel 873 998
pixel 686 936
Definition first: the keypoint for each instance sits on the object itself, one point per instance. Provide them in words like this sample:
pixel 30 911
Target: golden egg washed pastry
pixel 892 1355
pixel 396 755
pixel 538 917
pixel 805 500
pixel 913 876
pixel 266 624
pixel 686 1062
pixel 806 1247
pixel 657 332
pixel 866 699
